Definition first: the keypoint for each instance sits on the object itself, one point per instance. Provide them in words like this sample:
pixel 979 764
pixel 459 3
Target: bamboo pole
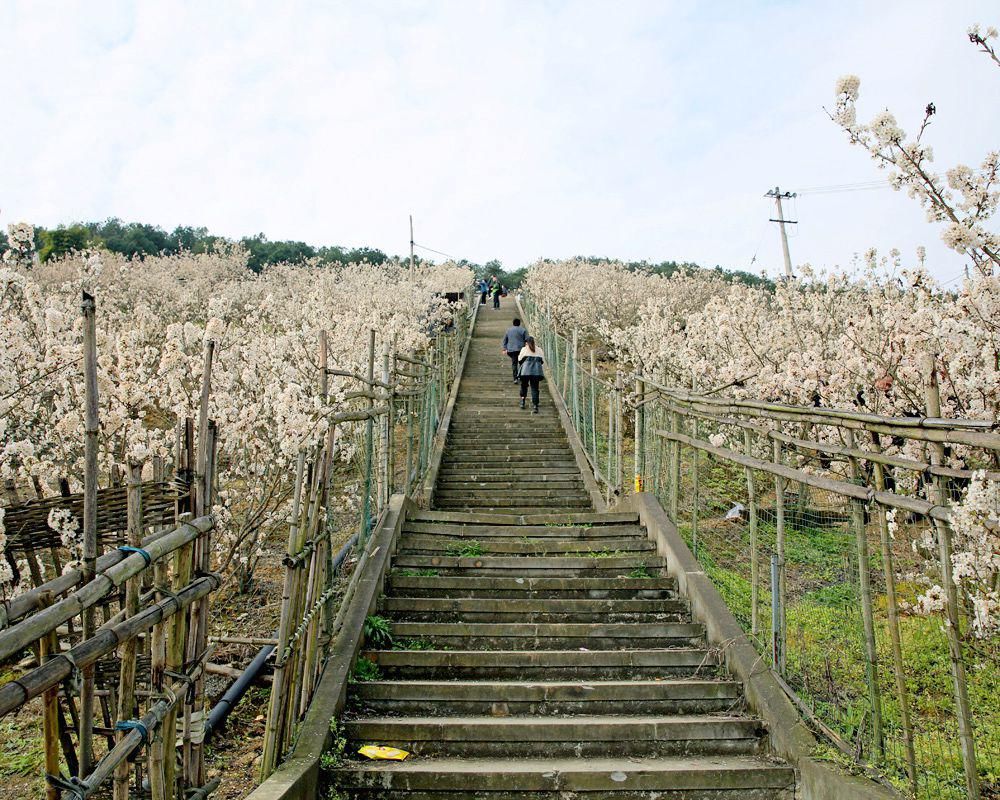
pixel 952 623
pixel 779 636
pixel 277 700
pixel 892 609
pixel 369 446
pixel 91 428
pixel 384 478
pixel 867 612
pixel 49 647
pixel 754 553
pixel 593 408
pixel 619 434
pixel 675 467
pixel 158 663
pixel 640 432
pixel 126 682
pixel 610 473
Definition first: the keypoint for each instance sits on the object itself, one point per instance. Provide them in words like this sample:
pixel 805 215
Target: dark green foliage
pixel 378 631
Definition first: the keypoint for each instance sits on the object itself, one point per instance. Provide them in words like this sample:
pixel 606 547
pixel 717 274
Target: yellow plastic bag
pixel 382 753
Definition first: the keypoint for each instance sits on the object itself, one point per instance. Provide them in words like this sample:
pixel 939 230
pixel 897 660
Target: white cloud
pixel 640 129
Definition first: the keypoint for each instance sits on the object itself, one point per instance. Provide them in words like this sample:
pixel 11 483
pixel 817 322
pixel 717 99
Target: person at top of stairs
pixel 531 371
pixel 513 341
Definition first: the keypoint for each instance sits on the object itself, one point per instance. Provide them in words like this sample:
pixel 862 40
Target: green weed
pixel 365 670
pixel 641 572
pixel 378 631
pixel 465 550
pixel 413 644
pixel 417 573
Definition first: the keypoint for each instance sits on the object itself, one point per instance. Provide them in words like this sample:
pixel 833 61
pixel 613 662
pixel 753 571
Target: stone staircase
pixel 539 650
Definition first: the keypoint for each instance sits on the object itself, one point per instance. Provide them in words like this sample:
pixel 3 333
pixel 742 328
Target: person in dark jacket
pixel 495 290
pixel 531 371
pixel 484 289
pixel 513 341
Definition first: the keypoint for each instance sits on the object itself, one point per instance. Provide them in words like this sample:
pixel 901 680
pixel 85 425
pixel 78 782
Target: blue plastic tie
pixel 125 548
pixel 133 725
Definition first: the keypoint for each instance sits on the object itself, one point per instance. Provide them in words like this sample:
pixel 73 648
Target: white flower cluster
pixel 154 317
pixel 966 200
pixel 21 242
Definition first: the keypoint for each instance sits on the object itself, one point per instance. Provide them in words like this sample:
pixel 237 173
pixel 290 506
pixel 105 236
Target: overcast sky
pixel 511 130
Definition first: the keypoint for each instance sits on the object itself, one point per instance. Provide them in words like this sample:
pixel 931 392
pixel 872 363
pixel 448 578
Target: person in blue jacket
pixel 484 289
pixel 513 341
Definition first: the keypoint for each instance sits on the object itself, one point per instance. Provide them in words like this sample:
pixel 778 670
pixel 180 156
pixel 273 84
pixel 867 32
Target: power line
pixel 438 252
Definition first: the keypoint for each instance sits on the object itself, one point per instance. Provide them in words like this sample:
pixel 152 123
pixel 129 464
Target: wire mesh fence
pixel 829 536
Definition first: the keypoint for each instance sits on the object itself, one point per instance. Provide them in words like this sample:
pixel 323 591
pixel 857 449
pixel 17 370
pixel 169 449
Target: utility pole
pixel 777 195
pixel 411 246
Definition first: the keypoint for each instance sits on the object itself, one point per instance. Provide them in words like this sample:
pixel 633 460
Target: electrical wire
pixel 432 250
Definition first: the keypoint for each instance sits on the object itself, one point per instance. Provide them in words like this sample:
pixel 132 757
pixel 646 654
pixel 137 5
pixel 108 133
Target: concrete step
pixel 548 498
pixel 553 518
pixel 528 588
pixel 515 512
pixel 576 664
pixel 513 485
pixel 502 476
pixel 523 610
pixel 531 566
pixel 450 530
pixel 548 698
pixel 579 736
pixel 552 636
pixel 676 778
pixel 414 544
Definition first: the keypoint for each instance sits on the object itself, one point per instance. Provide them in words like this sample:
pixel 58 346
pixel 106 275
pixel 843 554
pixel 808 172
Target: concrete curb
pixel 297 778
pixel 790 738
pixel 441 437
pixel 579 453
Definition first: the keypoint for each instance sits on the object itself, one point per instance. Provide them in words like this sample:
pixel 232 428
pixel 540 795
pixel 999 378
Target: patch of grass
pixel 641 572
pixel 378 631
pixel 22 753
pixel 413 644
pixel 365 670
pixel 417 573
pixel 465 550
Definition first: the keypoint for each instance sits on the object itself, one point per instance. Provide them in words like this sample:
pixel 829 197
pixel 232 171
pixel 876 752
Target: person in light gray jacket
pixel 513 341
pixel 531 371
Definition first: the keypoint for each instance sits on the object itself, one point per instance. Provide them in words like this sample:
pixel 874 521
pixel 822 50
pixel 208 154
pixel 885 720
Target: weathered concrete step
pixel 555 500
pixel 511 486
pixel 501 477
pixel 677 778
pixel 587 518
pixel 680 734
pixel 414 544
pixel 531 566
pixel 576 664
pixel 504 472
pixel 546 698
pixel 484 462
pixel 533 451
pixel 514 438
pixel 543 587
pixel 516 511
pixel 451 530
pixel 553 636
pixel 481 609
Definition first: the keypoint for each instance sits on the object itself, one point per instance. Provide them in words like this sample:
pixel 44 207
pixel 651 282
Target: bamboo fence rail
pixel 827 502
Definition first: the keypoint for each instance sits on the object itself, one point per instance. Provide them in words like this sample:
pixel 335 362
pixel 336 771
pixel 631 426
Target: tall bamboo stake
pixel 277 701
pixel 952 630
pixel 126 682
pixel 867 612
pixel 892 608
pixel 91 427
pixel 593 408
pixel 48 647
pixel 619 434
pixel 384 438
pixel 754 555
pixel 779 635
pixel 369 445
pixel 675 467
pixel 158 663
pixel 640 431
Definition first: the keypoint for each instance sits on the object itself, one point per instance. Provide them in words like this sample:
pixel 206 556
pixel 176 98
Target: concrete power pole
pixel 777 195
pixel 411 245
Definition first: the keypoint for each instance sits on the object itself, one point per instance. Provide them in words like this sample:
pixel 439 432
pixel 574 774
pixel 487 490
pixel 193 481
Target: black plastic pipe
pixel 221 710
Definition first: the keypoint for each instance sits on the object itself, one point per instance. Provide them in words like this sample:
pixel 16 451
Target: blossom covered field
pixel 154 316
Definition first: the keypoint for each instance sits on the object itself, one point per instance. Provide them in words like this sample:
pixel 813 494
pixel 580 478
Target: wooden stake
pixel 939 495
pixel 126 683
pixel 754 555
pixel 778 636
pixel 91 428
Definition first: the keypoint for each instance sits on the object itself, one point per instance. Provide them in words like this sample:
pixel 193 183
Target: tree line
pixel 138 239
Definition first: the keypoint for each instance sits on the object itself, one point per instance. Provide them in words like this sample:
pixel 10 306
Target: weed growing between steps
pixel 414 644
pixel 329 761
pixel 365 670
pixel 416 573
pixel 465 550
pixel 641 572
pixel 378 632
